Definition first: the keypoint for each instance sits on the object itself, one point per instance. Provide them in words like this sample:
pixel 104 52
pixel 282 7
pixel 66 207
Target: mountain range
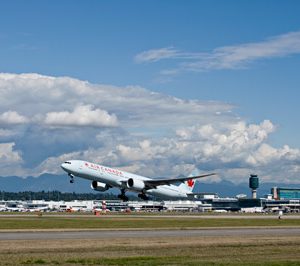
pixel 49 182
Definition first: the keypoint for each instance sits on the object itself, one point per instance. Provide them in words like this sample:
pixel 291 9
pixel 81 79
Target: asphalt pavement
pixel 104 234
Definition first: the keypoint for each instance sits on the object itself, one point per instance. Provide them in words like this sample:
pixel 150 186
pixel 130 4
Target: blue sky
pixel 243 56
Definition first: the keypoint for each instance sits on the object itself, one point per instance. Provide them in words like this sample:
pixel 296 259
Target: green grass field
pixel 110 222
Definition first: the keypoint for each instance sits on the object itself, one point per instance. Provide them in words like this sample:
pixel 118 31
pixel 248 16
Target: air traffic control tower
pixel 253 184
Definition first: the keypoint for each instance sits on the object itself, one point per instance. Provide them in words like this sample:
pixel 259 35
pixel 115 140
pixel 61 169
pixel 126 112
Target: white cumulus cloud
pixel 12 117
pixel 7 154
pixel 10 160
pixel 83 115
pixel 34 95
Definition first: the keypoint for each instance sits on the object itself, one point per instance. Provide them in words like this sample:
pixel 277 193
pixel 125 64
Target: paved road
pixel 45 235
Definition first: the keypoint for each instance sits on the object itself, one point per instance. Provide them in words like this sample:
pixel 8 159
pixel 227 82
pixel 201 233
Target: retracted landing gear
pixel 71 178
pixel 122 196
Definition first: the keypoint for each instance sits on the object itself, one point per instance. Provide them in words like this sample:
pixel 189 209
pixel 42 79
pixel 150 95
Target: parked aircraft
pixel 104 178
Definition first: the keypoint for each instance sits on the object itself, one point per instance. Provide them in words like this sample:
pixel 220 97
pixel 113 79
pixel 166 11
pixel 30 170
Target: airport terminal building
pixel 285 193
pixel 215 204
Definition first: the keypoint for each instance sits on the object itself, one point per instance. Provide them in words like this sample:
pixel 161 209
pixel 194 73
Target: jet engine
pixel 98 186
pixel 135 184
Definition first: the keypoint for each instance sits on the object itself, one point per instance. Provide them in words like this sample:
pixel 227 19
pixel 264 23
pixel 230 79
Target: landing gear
pixel 143 196
pixel 71 178
pixel 122 196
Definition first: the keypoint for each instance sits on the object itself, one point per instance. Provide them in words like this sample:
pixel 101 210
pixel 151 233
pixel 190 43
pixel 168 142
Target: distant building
pixel 286 205
pixel 285 193
pixel 204 196
pixel 226 204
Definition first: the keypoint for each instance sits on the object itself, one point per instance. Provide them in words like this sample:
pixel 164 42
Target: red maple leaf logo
pixel 190 182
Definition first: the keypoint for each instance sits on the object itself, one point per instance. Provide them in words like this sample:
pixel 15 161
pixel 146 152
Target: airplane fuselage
pixel 117 178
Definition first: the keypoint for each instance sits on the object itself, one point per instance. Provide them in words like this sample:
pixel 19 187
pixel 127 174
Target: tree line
pixel 57 196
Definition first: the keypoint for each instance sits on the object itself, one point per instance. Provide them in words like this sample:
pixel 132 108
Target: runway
pixel 159 216
pixel 105 234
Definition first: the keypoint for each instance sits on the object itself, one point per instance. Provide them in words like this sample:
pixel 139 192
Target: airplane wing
pixel 153 183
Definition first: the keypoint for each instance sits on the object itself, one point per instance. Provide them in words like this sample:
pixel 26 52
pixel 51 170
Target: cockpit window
pixel 68 162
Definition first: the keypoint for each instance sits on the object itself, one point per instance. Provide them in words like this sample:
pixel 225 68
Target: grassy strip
pixel 141 222
pixel 179 251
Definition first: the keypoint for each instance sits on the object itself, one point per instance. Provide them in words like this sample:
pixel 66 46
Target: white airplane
pixel 104 178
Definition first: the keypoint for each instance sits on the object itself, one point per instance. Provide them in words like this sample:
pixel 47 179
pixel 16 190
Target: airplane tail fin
pixel 188 185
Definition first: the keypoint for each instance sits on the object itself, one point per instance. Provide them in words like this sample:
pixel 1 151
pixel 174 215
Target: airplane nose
pixel 66 166
pixel 63 166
